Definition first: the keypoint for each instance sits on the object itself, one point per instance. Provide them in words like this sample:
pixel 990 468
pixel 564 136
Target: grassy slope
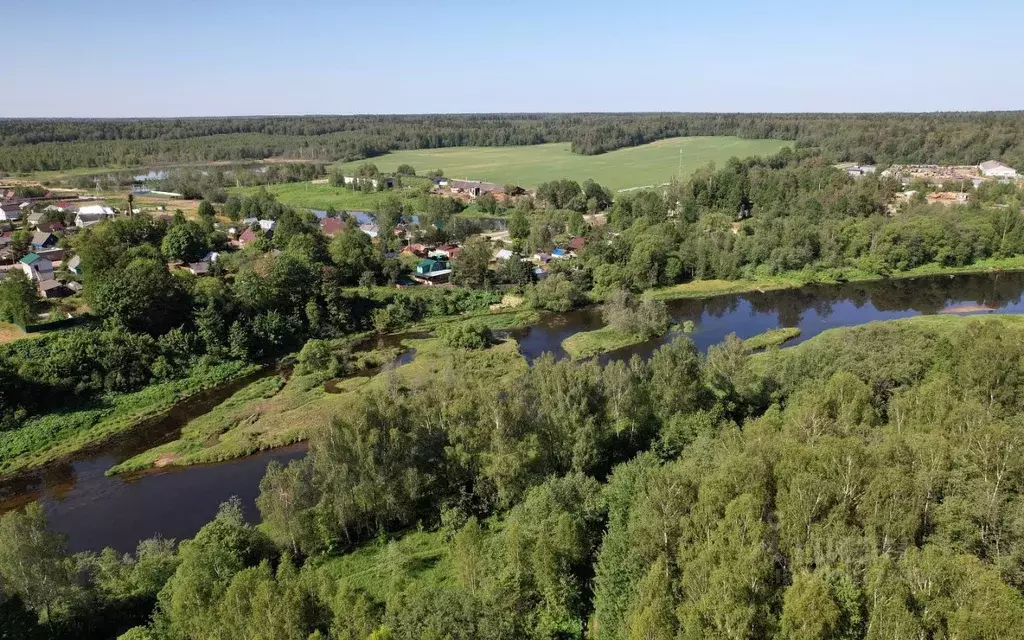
pixel 10 333
pixel 54 436
pixel 266 414
pixel 529 166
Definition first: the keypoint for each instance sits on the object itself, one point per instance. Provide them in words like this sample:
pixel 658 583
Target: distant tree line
pixel 30 145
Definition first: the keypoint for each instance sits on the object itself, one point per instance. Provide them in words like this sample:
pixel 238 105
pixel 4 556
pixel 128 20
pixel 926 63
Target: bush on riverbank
pixel 465 335
pixel 771 338
pixel 645 318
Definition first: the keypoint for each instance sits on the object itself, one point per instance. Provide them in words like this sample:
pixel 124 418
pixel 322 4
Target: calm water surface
pixel 97 511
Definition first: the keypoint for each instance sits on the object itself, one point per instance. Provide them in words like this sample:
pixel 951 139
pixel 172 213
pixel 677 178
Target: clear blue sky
pixel 232 57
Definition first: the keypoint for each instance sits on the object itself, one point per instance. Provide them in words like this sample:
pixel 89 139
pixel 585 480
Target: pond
pixel 97 511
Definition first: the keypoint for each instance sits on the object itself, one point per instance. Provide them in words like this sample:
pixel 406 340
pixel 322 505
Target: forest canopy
pixel 865 484
pixel 61 144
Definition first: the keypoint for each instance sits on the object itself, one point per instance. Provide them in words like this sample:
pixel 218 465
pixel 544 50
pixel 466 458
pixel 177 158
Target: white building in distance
pixel 996 169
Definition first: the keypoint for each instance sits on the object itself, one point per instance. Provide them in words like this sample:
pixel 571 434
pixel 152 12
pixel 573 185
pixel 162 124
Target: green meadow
pixel 308 195
pixel 528 166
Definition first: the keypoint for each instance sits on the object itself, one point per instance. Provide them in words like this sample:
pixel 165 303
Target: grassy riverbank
pixel 591 343
pixel 273 412
pixel 797 279
pixel 503 319
pixel 55 436
pixel 771 338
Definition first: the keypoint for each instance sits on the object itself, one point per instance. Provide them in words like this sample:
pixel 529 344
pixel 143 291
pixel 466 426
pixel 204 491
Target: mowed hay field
pixel 529 166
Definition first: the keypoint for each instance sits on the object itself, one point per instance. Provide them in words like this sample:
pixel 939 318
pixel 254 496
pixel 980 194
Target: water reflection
pixel 813 309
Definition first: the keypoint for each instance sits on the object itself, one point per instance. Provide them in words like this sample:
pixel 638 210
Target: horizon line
pixel 522 113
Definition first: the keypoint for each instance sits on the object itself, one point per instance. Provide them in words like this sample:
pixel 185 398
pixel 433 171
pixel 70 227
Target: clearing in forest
pixel 528 166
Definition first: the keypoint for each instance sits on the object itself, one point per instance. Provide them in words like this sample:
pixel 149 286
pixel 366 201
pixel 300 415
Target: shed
pixel 199 268
pixel 52 289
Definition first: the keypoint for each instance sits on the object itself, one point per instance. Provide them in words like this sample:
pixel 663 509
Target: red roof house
pixel 332 226
pixel 246 237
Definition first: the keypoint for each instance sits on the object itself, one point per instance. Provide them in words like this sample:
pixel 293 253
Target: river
pixel 97 511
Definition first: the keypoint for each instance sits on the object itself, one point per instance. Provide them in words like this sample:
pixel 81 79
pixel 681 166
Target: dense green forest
pixel 958 138
pixel 865 484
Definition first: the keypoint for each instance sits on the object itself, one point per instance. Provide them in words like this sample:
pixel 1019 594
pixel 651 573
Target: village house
pixel 432 271
pixel 577 243
pixel 36 267
pixel 43 240
pixel 996 169
pixel 502 254
pixel 332 226
pixel 10 212
pixel 445 252
pixel 92 214
pixel 35 218
pixel 74 265
pixel 50 227
pixel 246 237
pixel 370 229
